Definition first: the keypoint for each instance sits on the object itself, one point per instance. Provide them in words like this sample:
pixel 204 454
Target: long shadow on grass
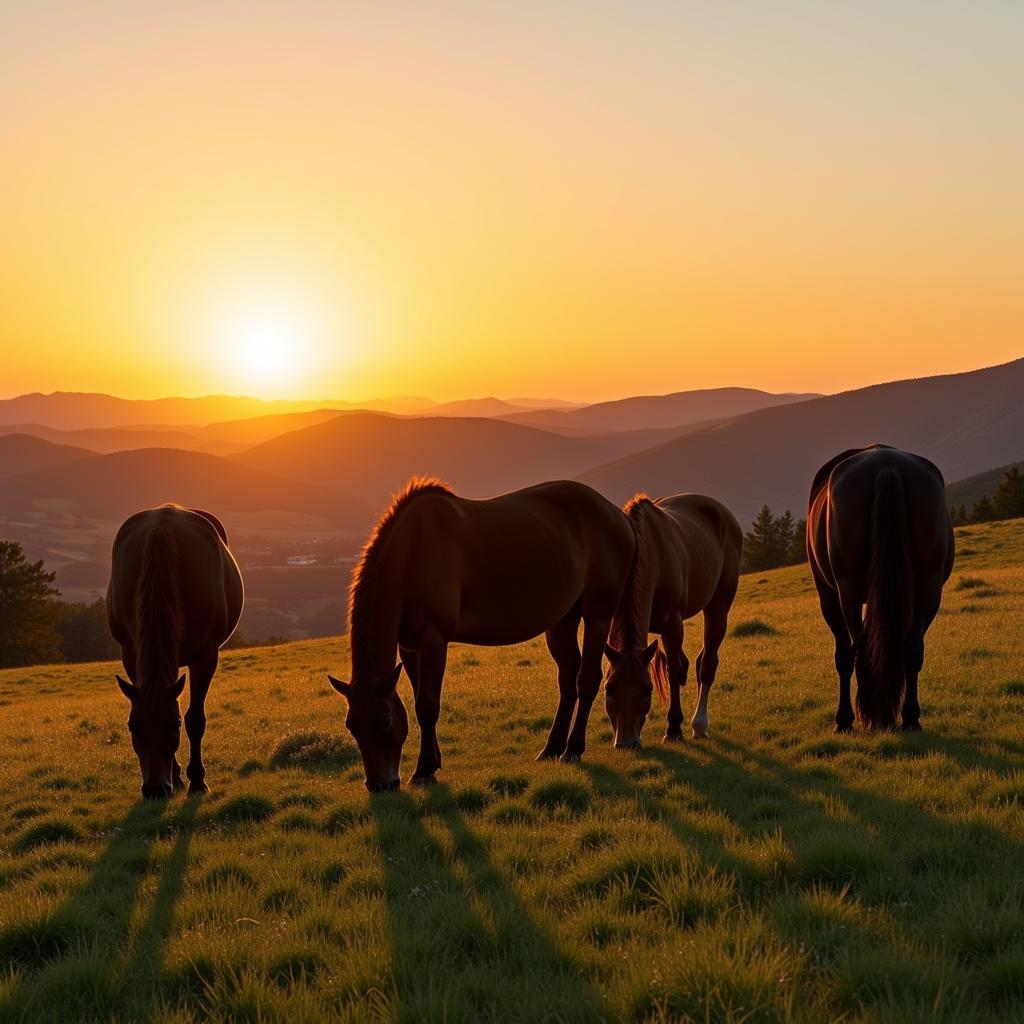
pixel 90 925
pixel 463 944
pixel 139 978
pixel 803 901
pixel 888 853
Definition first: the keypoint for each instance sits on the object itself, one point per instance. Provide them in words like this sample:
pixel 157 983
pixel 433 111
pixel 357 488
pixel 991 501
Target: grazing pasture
pixel 773 872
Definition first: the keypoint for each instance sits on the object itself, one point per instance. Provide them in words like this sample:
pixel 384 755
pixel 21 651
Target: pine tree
pixel 759 541
pixel 958 515
pixel 983 511
pixel 1008 501
pixel 28 613
pixel 797 553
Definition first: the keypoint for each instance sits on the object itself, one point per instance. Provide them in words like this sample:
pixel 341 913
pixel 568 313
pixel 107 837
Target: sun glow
pixel 271 346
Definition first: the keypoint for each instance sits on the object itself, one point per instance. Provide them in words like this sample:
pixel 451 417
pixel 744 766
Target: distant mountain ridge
pixel 961 421
pixel 680 408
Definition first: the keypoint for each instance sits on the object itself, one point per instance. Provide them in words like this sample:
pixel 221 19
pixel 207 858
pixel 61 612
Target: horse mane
pixel 363 576
pixel 625 624
pixel 158 610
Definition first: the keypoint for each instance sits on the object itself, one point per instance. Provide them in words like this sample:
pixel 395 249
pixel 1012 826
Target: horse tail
pixel 889 604
pixel 158 610
pixel 660 673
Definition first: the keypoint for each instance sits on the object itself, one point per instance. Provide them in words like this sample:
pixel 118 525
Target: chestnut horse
pixel 880 543
pixel 687 561
pixel 174 598
pixel 440 569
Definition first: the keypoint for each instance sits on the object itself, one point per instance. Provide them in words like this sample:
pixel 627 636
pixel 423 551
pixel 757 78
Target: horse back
pixel 840 513
pixel 207 576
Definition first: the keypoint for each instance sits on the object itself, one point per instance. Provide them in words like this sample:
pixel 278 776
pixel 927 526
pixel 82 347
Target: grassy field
pixel 772 872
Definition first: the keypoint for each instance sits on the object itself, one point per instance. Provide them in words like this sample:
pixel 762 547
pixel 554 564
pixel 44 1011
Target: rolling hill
pixel 981 485
pixel 23 453
pixel 372 455
pixel 111 487
pixel 682 408
pixel 964 422
pixel 105 440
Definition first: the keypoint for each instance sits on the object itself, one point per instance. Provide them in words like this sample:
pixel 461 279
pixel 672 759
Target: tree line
pixel 1006 503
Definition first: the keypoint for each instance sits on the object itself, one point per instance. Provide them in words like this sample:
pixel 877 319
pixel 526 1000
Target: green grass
pixel 774 872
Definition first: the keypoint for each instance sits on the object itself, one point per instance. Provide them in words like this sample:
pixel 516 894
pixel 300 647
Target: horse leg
pixel 678 669
pixel 588 682
pixel 433 656
pixel 200 674
pixel 565 649
pixel 716 621
pixel 411 661
pixel 832 612
pixel 914 658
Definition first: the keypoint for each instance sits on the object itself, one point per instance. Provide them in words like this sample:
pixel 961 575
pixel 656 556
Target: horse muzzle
pixel 627 744
pixel 157 790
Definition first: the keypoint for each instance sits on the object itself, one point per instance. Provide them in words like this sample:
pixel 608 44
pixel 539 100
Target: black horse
pixel 880 544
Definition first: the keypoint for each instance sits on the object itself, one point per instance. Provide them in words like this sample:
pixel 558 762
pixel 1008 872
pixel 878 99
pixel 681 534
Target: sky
pixel 585 200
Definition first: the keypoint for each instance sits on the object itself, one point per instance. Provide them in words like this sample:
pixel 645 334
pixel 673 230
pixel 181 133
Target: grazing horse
pixel 174 598
pixel 880 544
pixel 687 561
pixel 439 569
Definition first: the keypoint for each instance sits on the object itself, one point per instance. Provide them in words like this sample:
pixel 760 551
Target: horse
pixel 175 597
pixel 439 568
pixel 880 545
pixel 687 560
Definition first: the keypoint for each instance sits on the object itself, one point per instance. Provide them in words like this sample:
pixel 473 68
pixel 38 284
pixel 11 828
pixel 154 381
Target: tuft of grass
pixel 753 627
pixel 46 833
pixel 509 785
pixel 313 752
pixel 561 795
pixel 970 583
pixel 245 810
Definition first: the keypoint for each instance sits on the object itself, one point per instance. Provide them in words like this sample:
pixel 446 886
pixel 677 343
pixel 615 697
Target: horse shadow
pixel 463 943
pixel 95 922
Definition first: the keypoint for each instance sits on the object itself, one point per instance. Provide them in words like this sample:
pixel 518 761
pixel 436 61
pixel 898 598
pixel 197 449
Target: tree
pixel 770 541
pixel 797 553
pixel 28 613
pixel 958 515
pixel 984 511
pixel 84 633
pixel 1008 501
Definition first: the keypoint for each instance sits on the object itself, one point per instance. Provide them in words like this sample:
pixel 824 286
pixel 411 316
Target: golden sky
pixel 330 199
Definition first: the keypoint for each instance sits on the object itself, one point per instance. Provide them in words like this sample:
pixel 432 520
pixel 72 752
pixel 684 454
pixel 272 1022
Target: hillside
pixel 23 453
pixel 111 487
pixel 679 409
pixel 104 440
pixel 772 873
pixel 964 422
pixel 982 485
pixel 373 455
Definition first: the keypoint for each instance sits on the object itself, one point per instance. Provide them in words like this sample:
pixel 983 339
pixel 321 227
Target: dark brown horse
pixel 687 561
pixel 174 598
pixel 440 569
pixel 880 544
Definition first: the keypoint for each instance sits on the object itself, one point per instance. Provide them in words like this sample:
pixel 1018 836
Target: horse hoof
pixel 700 732
pixel 423 780
pixel 178 783
pixel 548 755
pixel 842 727
pixel 673 737
pixel 571 757
pixel 198 789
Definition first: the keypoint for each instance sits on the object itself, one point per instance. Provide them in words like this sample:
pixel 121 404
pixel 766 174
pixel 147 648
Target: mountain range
pixel 299 484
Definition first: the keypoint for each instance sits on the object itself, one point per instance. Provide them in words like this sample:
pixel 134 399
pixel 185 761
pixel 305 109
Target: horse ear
pixel 394 677
pixel 650 651
pixel 611 654
pixel 126 688
pixel 342 687
pixel 179 686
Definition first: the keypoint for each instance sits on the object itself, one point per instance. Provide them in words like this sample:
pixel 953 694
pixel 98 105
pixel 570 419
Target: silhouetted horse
pixel 687 560
pixel 880 544
pixel 174 598
pixel 439 568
